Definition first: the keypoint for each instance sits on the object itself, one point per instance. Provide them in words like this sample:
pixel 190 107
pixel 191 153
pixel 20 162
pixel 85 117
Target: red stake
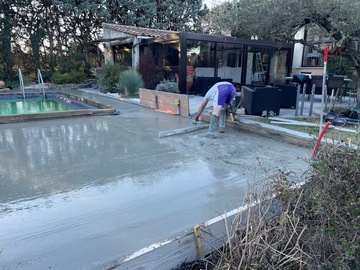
pixel 320 137
pixel 326 51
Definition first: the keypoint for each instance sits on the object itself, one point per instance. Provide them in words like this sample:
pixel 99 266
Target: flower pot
pixel 190 73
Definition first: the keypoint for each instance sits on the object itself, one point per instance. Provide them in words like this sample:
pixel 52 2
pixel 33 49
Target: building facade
pixel 196 61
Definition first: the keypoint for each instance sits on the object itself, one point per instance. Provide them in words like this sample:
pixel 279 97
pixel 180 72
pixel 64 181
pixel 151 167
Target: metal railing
pixel 41 82
pixel 22 88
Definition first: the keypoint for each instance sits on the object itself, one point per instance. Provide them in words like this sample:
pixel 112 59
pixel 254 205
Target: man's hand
pixel 196 118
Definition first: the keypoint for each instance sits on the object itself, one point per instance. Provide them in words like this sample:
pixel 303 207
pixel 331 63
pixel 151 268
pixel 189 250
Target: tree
pixel 5 37
pixel 223 18
pixel 37 33
pixel 83 21
pixel 279 20
pixel 177 15
pixel 137 13
pixel 29 15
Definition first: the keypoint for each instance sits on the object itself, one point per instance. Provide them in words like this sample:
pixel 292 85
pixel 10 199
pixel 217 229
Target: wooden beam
pixel 107 39
pixel 198 242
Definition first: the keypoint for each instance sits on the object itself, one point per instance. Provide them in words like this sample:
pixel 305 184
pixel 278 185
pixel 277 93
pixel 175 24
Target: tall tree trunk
pixel 35 45
pixel 6 42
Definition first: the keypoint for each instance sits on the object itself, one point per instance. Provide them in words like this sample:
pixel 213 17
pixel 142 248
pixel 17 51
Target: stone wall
pixel 165 102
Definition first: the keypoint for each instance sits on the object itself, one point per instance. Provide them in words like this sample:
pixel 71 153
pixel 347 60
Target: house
pixel 197 61
pixel 308 59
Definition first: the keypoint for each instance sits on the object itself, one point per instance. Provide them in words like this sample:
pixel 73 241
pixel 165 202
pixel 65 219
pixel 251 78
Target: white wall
pixel 298 49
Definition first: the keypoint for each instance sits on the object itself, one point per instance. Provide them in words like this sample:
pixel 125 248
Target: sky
pixel 211 3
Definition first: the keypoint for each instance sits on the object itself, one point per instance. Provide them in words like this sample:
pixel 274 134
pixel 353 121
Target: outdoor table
pixel 288 79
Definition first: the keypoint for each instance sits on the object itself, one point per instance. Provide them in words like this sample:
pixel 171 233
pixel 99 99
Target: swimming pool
pixel 16 108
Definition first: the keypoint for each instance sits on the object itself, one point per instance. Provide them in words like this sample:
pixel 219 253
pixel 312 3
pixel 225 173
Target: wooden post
pixel 198 242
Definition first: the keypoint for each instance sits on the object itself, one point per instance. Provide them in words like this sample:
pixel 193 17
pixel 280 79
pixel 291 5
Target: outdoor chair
pixel 258 99
pixel 335 86
pixel 203 84
pixel 317 80
pixel 288 95
pixel 303 78
pixel 351 92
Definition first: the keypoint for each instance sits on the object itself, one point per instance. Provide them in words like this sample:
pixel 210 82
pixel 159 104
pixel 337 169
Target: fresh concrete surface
pixel 82 193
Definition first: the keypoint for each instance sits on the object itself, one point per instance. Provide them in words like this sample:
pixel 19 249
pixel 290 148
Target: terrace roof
pixel 138 31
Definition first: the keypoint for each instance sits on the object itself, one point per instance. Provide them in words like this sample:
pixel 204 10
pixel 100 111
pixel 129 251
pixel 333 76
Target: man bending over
pixel 221 94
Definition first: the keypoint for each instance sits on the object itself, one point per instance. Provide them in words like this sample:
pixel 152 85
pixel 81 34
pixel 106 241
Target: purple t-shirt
pixel 221 93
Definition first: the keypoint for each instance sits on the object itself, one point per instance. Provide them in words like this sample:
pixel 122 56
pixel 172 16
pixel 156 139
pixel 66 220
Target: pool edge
pixel 16 118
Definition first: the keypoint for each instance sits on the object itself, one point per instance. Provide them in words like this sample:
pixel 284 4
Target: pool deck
pixel 84 192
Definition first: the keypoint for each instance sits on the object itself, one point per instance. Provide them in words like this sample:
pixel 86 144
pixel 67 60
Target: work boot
pixel 222 117
pixel 213 126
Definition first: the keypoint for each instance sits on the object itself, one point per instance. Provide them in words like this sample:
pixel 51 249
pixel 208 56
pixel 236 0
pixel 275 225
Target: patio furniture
pixel 346 86
pixel 335 83
pixel 190 74
pixel 258 99
pixel 203 84
pixel 351 92
pixel 288 95
pixel 302 79
pixel 317 80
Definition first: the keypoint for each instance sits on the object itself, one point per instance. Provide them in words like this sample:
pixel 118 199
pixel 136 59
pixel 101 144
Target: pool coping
pixel 15 118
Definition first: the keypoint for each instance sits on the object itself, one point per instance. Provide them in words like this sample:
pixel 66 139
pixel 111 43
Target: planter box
pixel 165 102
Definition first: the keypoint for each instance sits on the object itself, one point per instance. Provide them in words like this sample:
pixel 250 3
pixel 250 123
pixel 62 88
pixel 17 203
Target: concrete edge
pixel 167 133
pixel 287 135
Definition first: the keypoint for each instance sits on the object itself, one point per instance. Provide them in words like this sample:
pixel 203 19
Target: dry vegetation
pixel 316 225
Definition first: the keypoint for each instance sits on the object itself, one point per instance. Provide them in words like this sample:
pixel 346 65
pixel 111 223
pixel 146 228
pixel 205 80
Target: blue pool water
pixel 32 105
pixel 16 104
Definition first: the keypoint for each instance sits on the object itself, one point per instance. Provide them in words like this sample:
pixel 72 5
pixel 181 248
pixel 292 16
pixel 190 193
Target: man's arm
pixel 201 108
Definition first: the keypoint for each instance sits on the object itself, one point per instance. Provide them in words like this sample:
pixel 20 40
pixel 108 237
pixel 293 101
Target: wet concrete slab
pixel 83 193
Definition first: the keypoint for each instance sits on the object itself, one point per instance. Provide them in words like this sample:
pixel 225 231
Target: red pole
pixel 319 138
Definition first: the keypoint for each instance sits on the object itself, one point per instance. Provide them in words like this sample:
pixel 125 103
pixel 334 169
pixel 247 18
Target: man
pixel 221 93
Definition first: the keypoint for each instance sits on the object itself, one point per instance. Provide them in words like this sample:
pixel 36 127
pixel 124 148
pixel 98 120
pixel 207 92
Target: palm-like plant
pixel 109 76
pixel 130 81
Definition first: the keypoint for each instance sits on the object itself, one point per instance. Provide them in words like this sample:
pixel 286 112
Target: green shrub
pixel 46 75
pixel 130 82
pixel 109 76
pixel 70 77
pixel 168 86
pixel 73 61
pixel 28 80
pixel 339 66
pixel 14 84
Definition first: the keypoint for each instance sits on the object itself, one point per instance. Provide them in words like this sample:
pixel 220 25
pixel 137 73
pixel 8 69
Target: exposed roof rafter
pixel 138 31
